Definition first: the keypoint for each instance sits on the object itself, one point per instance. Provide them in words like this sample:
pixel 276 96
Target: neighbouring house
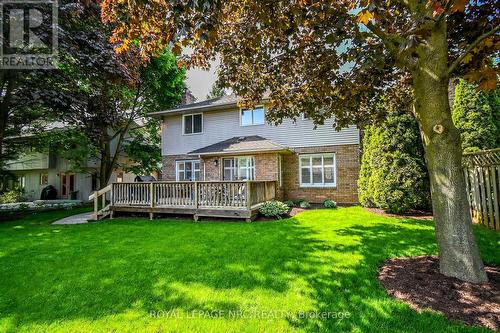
pixel 215 140
pixel 34 170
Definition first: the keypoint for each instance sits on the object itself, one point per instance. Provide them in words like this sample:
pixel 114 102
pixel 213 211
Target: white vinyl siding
pixel 317 170
pixel 187 170
pixel 238 168
pixel 223 125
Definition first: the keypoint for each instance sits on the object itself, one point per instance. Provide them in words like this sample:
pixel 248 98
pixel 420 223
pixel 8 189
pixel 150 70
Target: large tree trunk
pixel 458 252
pixel 7 85
pixel 106 167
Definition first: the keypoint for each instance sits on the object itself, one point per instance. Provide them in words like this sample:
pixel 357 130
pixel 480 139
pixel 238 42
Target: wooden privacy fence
pixel 482 175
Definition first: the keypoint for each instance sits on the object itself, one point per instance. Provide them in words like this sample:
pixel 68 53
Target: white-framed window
pixel 249 117
pixel 44 178
pixel 238 168
pixel 21 182
pixel 317 170
pixel 187 170
pixel 192 124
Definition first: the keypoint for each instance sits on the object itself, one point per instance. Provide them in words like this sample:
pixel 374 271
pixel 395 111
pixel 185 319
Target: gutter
pixel 249 151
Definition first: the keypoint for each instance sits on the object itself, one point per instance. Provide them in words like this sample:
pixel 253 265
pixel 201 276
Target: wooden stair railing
pixel 99 214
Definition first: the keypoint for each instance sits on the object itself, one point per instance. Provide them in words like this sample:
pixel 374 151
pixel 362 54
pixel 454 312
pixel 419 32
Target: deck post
pixel 151 199
pixel 112 201
pixel 96 206
pixel 249 196
pixel 196 195
pixel 151 195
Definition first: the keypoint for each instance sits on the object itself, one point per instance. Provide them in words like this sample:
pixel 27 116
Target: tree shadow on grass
pixel 93 271
pixel 357 289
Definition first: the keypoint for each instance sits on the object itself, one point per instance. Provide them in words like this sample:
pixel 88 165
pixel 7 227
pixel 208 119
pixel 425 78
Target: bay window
pixel 317 170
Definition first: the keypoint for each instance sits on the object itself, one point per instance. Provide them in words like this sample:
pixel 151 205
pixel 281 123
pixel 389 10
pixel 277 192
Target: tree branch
pixel 457 61
pixel 392 42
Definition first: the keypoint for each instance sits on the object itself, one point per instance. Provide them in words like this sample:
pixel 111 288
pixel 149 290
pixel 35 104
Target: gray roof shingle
pixel 240 144
pixel 226 100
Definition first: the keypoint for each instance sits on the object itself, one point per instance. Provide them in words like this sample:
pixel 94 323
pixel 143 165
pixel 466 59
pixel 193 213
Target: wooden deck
pixel 233 199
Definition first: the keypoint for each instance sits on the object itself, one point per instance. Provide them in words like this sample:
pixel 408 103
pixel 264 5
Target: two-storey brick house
pixel 215 140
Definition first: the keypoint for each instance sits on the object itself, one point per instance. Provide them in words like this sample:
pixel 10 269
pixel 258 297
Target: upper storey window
pixel 250 117
pixel 192 123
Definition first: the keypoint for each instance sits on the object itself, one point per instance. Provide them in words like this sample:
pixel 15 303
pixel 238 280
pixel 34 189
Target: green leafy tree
pixel 162 85
pixel 106 97
pixel 144 152
pixel 476 114
pixel 69 143
pixel 217 91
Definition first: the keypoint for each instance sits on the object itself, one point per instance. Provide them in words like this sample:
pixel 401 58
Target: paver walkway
pixel 75 219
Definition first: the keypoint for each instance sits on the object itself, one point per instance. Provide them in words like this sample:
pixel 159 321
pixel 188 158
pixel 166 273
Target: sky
pixel 200 82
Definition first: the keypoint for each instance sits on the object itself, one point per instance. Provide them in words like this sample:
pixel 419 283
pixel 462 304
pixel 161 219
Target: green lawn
pixel 134 275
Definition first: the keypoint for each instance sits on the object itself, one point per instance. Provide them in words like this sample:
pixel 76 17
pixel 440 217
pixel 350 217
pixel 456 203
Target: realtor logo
pixel 28 34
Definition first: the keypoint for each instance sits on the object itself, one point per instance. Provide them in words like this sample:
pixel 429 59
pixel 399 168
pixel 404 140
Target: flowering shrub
pixel 10 197
pixel 273 209
pixel 304 204
pixel 329 203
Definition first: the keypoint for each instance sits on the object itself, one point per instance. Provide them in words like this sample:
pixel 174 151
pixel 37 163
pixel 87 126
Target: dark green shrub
pixel 329 203
pixel 290 203
pixel 476 114
pixel 393 173
pixel 273 209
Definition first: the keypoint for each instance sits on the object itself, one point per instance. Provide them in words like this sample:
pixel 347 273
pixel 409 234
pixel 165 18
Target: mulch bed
pixel 415 214
pixel 418 282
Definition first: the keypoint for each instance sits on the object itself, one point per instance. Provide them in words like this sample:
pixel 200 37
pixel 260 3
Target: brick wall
pixel 212 171
pixel 267 168
pixel 348 163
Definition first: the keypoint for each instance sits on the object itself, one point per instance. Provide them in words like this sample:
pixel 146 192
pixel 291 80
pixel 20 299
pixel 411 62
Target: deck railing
pixel 235 194
pixel 226 198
